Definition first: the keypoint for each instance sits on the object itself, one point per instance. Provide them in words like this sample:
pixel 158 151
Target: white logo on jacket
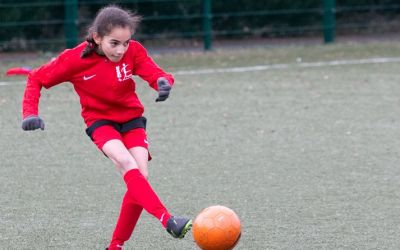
pixel 85 78
pixel 123 73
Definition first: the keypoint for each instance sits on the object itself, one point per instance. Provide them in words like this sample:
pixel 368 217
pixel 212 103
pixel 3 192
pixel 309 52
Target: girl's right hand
pixel 32 122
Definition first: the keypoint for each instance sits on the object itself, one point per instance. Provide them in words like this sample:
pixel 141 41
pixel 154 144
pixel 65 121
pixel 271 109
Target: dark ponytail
pixel 91 46
pixel 106 19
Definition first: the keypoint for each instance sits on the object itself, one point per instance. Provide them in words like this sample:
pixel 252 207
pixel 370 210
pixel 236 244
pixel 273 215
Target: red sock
pixel 128 217
pixel 141 193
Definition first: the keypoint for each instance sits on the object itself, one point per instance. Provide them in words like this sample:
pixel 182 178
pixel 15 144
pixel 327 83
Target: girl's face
pixel 115 44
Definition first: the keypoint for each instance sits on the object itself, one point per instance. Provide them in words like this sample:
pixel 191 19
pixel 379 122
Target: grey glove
pixel 32 122
pixel 163 89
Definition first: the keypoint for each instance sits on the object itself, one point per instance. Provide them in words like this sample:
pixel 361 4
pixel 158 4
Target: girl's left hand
pixel 163 89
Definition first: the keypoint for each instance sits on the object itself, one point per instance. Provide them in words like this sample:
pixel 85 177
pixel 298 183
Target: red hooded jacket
pixel 105 88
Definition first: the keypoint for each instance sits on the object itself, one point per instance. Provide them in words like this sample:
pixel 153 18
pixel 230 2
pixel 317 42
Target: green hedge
pixel 40 24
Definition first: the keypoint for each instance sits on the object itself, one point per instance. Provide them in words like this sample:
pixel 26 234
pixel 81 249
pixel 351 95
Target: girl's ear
pixel 96 38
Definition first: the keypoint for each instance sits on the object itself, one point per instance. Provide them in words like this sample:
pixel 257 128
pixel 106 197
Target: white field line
pixel 12 83
pixel 285 66
pixel 268 67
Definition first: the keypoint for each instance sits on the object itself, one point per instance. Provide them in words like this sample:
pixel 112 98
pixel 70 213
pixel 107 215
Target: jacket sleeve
pixel 146 68
pixel 48 75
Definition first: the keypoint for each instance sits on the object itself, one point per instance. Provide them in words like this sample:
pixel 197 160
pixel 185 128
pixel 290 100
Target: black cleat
pixel 178 226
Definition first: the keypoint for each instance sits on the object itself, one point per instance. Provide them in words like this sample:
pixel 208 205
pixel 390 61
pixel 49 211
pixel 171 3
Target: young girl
pixel 101 71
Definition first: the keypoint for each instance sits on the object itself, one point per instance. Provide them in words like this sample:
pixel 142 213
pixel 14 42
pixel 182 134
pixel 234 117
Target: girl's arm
pixel 146 68
pixel 48 75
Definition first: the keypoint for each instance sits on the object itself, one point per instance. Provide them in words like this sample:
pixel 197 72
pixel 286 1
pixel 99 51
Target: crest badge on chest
pixel 123 72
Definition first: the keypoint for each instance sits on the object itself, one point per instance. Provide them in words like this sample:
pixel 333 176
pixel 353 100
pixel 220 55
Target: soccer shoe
pixel 178 226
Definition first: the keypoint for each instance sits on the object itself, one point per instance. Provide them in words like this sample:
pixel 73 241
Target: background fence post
pixel 329 20
pixel 71 19
pixel 207 24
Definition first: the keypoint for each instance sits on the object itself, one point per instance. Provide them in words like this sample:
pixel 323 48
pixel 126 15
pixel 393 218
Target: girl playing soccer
pixel 101 70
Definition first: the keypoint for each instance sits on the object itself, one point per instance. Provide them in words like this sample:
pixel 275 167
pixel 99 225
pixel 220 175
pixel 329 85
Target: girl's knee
pixel 124 161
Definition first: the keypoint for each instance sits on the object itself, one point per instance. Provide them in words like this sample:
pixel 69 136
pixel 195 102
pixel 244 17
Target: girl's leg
pixel 141 156
pixel 120 156
pixel 130 212
pixel 139 190
pixel 128 217
pixel 177 226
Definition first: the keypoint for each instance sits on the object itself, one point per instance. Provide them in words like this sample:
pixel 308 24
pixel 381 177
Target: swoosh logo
pixel 88 77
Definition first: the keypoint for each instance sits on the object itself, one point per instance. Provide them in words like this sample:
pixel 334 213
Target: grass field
pixel 308 157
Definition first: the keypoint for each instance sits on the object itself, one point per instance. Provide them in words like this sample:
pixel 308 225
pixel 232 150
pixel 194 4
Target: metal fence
pixel 57 24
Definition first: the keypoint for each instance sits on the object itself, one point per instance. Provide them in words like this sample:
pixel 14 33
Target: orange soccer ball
pixel 216 228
